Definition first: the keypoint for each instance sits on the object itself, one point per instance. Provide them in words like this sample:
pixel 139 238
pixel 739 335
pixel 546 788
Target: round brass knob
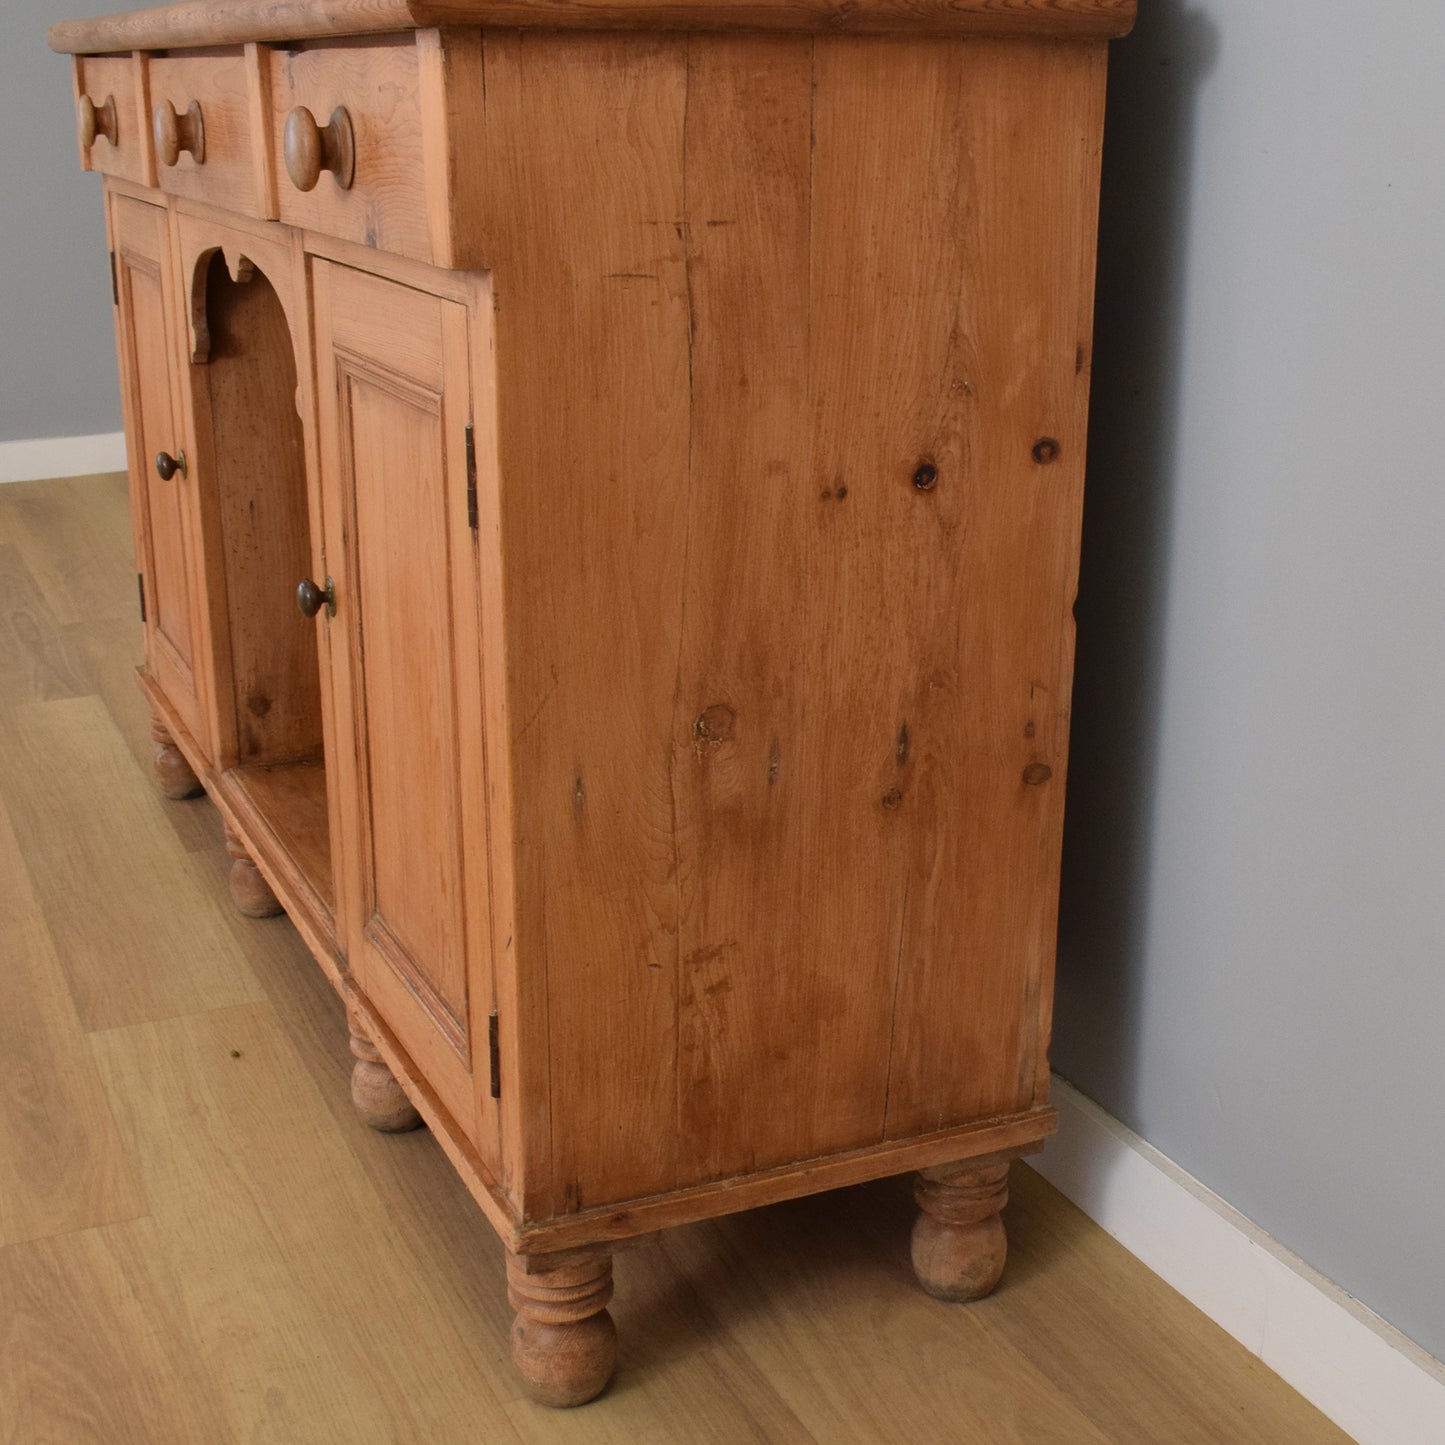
pixel 176 133
pixel 311 149
pixel 310 597
pixel 167 465
pixel 97 120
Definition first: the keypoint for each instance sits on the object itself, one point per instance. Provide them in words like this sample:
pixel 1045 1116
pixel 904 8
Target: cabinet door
pixel 164 509
pixel 393 385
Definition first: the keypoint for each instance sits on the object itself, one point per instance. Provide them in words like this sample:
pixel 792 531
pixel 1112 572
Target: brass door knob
pixel 176 133
pixel 167 465
pixel 311 149
pixel 309 597
pixel 97 120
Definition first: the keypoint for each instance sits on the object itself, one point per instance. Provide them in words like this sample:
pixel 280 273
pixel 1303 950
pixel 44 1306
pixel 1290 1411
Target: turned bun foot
pixel 175 778
pixel 959 1245
pixel 378 1098
pixel 250 892
pixel 564 1343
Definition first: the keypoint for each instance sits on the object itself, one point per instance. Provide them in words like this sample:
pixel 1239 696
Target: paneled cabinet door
pixel 393 383
pixel 163 496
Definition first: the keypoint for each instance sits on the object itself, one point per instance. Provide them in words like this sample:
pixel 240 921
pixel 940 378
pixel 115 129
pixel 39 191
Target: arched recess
pixel 252 449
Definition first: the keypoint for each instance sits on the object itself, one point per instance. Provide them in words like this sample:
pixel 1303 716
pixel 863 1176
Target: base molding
pixel 42 458
pixel 1372 1381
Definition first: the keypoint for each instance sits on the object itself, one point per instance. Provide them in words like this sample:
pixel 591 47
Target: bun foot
pixel 250 892
pixel 564 1343
pixel 959 1245
pixel 378 1098
pixel 174 776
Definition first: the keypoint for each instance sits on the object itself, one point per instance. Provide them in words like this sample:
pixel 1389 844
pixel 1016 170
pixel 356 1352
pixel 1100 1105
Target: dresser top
pixel 233 22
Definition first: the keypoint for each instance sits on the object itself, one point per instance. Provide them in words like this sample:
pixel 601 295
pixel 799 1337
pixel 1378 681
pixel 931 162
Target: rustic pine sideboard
pixel 668 416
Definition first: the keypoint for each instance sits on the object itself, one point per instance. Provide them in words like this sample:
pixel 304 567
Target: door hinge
pixel 494 1048
pixel 114 282
pixel 472 491
pixel 140 587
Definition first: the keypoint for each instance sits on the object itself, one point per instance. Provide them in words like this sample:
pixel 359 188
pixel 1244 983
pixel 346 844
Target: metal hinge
pixel 140 586
pixel 114 282
pixel 472 497
pixel 495 1050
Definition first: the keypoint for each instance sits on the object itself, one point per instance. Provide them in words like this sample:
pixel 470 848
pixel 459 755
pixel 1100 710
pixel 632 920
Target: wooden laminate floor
pixel 200 1243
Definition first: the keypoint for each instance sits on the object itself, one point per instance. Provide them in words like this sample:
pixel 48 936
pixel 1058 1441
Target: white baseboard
pixel 1373 1382
pixel 45 457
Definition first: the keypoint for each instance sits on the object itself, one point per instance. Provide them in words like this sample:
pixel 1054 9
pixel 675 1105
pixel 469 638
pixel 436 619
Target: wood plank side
pixel 585 139
pixel 977 951
pixel 753 1012
pixel 889 432
pixel 221 22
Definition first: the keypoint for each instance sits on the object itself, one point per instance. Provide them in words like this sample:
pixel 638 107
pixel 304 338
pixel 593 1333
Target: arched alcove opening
pixel 256 471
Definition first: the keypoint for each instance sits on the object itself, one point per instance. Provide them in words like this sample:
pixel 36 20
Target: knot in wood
pixel 926 477
pixel 1046 450
pixel 1037 773
pixel 716 724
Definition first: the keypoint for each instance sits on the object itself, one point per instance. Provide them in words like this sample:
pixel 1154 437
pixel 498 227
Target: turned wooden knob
pixel 311 149
pixel 97 120
pixel 176 133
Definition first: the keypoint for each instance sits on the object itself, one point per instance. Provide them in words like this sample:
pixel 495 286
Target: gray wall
pixel 1253 921
pixel 57 348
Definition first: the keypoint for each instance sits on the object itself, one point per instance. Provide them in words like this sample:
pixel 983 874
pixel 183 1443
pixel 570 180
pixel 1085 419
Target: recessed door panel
pixel 395 379
pixel 165 512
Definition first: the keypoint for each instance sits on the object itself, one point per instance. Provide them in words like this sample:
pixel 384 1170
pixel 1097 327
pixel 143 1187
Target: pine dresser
pixel 606 479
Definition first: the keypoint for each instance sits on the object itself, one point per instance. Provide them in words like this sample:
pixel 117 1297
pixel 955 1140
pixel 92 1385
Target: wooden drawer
pixel 205 116
pixel 111 119
pixel 362 98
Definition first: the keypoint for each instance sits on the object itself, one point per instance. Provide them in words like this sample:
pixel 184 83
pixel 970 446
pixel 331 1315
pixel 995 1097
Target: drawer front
pixel 351 108
pixel 111 116
pixel 201 126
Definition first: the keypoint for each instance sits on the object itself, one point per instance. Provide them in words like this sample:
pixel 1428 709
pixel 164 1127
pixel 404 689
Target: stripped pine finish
pixel 607 481
pixel 830 689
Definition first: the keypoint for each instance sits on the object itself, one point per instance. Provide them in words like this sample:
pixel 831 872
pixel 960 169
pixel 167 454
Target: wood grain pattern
pixel 66 530
pixel 788 677
pixel 149 941
pixel 395 365
pixel 220 84
pixel 59 1150
pixel 239 1247
pixel 385 206
pixel 293 797
pixel 251 467
pixel 221 22
pixel 121 78
pixel 93 1349
pixel 167 533
pixel 35 661
pixel 996 763
pixel 592 306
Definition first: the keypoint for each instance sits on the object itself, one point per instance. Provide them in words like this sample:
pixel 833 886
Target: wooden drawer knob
pixel 97 121
pixel 311 149
pixel 176 133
